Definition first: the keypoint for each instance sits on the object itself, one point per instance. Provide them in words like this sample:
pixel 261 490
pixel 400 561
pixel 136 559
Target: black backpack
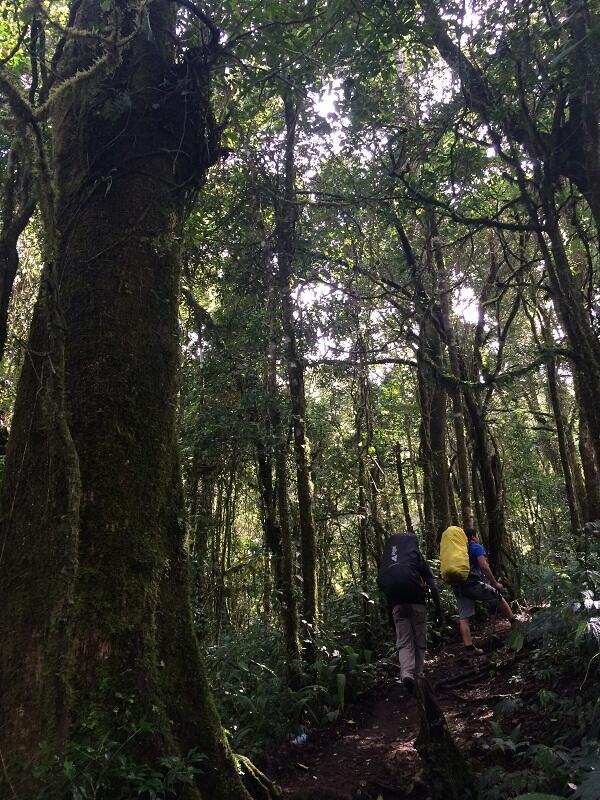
pixel 401 569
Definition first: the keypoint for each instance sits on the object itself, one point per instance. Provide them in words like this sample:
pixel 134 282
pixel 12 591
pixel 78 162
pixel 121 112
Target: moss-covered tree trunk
pixel 572 311
pixel 96 626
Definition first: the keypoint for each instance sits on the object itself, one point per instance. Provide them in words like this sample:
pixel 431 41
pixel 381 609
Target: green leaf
pixel 516 640
pixel 581 631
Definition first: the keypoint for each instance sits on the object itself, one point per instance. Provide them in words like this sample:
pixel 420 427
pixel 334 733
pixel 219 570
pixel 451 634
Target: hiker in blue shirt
pixel 482 586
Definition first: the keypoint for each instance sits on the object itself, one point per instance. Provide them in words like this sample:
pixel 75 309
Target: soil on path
pixel 369 753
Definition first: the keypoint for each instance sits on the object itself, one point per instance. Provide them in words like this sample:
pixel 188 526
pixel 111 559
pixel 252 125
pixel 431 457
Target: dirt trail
pixel 369 753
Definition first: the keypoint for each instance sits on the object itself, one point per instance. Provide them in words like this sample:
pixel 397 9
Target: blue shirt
pixel 476 550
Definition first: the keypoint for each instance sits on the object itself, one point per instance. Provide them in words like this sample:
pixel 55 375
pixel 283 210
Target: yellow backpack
pixel 454 555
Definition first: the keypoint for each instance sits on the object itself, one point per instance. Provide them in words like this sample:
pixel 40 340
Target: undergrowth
pixel 546 741
pixel 109 769
pixel 248 674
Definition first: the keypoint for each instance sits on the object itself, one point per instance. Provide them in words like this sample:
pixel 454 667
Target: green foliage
pixel 568 624
pixel 560 754
pixel 536 768
pixel 258 706
pixel 115 770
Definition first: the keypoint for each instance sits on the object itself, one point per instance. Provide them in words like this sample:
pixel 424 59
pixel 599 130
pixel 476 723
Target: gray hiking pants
pixel 410 620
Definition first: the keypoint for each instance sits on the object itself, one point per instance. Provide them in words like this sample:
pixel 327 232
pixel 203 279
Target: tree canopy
pixel 277 281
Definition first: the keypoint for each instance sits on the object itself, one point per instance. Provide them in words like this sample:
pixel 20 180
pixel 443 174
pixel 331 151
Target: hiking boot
pixel 473 651
pixel 409 683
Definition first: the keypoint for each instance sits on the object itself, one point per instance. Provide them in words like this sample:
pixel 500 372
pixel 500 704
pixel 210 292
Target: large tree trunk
pixel 268 500
pixel 97 634
pixel 574 460
pixel 370 469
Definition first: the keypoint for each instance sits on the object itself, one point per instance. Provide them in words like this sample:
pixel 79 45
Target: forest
pixel 277 281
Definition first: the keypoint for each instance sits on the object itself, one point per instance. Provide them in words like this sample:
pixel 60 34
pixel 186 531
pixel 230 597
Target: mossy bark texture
pixel 446 770
pixel 96 625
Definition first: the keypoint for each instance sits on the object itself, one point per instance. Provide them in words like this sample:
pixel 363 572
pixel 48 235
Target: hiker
pixel 480 585
pixel 404 577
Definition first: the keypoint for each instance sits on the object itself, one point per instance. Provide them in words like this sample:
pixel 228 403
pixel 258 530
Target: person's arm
pixel 485 568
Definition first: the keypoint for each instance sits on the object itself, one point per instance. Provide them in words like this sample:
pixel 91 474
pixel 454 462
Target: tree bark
pixel 367 494
pixel 286 570
pixel 95 581
pixel 573 315
pixel 574 459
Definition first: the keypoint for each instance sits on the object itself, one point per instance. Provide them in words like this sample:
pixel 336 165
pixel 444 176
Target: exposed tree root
pixel 256 783
pixel 446 770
